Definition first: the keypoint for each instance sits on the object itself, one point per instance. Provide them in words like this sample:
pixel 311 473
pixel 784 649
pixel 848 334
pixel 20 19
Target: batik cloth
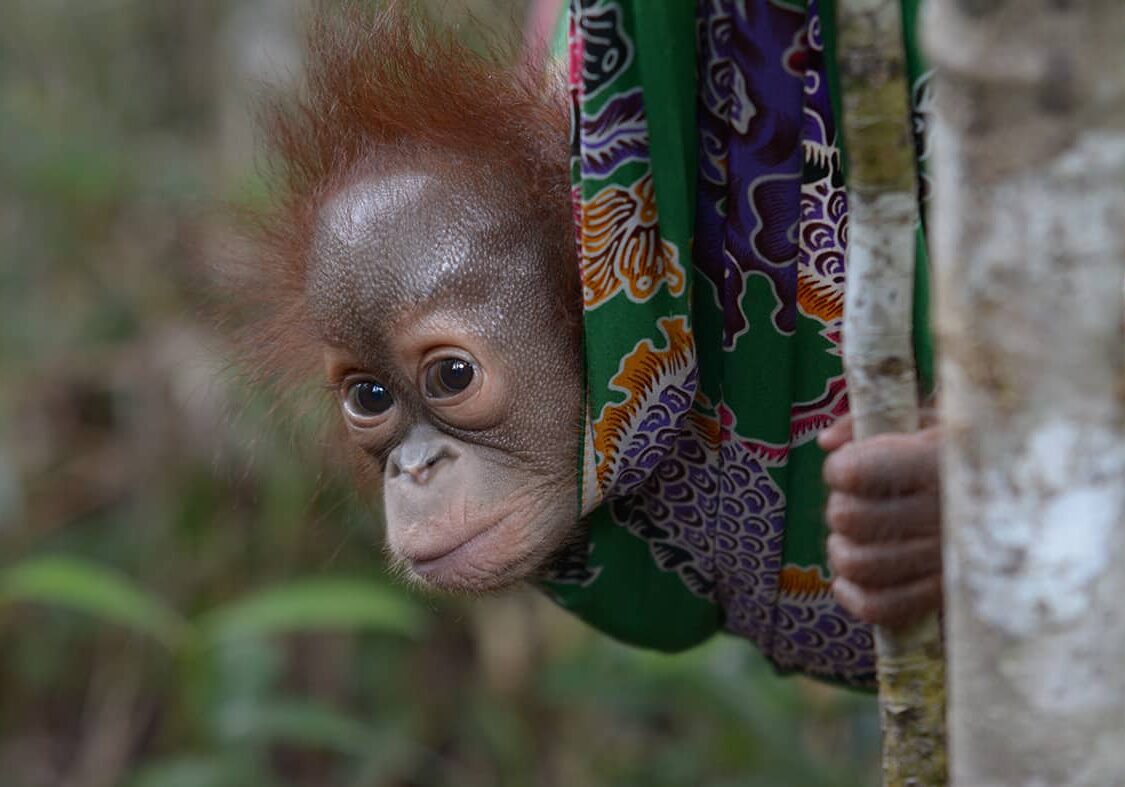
pixel 712 219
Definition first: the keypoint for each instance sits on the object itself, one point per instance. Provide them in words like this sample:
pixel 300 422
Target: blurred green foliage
pixel 191 594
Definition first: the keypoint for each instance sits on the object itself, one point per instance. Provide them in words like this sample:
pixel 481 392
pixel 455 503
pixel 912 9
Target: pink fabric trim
pixel 541 18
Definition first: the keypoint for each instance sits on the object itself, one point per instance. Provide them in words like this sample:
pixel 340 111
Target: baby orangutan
pixel 455 376
pixel 420 253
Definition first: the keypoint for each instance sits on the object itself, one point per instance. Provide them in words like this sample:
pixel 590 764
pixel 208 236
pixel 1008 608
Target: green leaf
pixel 297 723
pixel 316 604
pixel 87 587
pixel 202 770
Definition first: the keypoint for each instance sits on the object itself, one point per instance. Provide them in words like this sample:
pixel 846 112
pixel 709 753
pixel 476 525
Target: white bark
pixel 879 312
pixel 879 348
pixel 1029 219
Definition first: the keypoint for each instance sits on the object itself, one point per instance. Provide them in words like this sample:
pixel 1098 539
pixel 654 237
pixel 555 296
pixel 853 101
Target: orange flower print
pixel 622 248
pixel 645 375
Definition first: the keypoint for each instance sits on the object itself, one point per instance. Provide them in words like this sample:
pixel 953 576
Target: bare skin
pixel 884 514
pixel 451 377
pixel 426 231
pixel 410 282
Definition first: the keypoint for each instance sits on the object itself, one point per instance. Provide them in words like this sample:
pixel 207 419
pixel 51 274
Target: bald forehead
pixel 412 241
pixel 349 218
pixel 407 230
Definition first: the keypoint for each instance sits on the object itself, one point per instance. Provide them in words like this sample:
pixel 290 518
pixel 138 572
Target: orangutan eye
pixel 367 398
pixel 448 377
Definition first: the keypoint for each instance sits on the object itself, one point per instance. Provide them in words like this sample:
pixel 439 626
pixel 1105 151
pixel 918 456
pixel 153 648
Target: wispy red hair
pixel 388 85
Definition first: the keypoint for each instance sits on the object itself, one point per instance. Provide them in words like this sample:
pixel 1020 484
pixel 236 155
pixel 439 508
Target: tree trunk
pixel 878 346
pixel 1029 215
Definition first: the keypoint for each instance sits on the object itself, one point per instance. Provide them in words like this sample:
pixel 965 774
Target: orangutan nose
pixel 421 455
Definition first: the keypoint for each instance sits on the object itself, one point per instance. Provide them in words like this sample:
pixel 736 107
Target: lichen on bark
pixel 878 347
pixel 1029 252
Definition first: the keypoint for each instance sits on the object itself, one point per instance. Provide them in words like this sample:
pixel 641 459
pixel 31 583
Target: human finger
pixel 883 565
pixel 895 606
pixel 836 435
pixel 869 520
pixel 885 465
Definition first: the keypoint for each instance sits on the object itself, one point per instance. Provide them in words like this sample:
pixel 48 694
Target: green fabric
pixel 709 195
pixel 663 64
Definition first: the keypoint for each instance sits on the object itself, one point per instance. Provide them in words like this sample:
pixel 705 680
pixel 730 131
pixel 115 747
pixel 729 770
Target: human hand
pixel 884 513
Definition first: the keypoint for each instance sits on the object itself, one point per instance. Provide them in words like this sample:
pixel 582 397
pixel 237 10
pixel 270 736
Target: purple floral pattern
pixel 615 135
pixel 771 204
pixel 824 202
pixel 706 453
pixel 712 513
pixel 750 155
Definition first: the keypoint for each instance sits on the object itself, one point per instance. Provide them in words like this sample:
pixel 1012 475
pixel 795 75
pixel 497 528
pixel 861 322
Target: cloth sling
pixel 711 214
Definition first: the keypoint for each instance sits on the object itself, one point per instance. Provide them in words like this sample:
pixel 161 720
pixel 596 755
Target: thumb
pixel 836 435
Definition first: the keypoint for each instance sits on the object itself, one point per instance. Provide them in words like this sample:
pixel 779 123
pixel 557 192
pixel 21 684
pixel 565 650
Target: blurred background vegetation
pixel 188 597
